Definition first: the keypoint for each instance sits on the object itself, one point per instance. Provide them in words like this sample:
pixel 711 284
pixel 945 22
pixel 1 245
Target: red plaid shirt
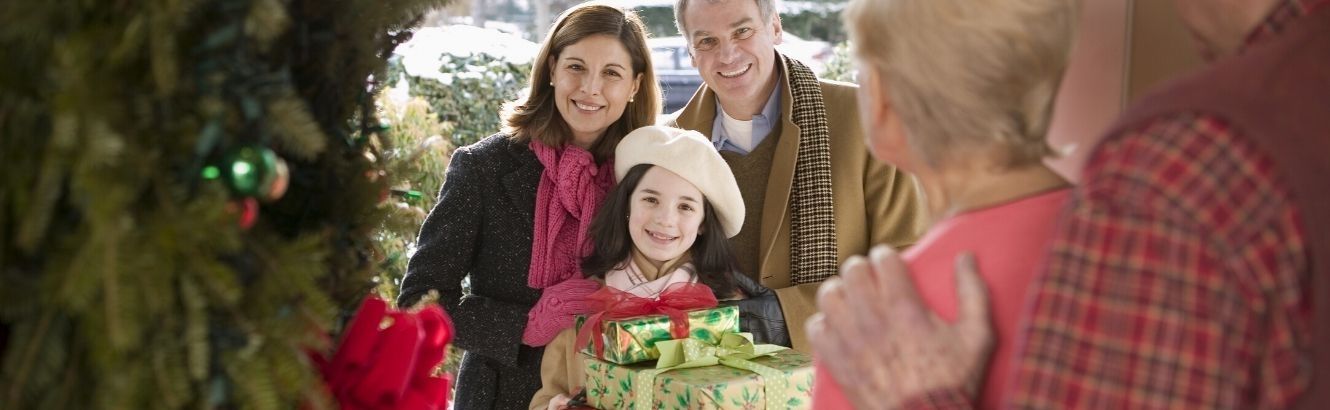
pixel 1179 278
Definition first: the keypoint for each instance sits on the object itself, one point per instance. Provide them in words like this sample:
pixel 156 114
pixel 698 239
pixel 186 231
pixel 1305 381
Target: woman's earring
pixel 551 83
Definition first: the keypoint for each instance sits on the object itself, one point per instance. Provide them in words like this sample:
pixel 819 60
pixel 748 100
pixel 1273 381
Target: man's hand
pixel 760 312
pixel 885 347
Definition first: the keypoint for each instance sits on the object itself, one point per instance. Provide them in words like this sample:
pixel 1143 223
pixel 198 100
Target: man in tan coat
pixel 814 195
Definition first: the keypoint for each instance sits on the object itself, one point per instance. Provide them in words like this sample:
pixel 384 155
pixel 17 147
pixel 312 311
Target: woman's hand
pixel 914 352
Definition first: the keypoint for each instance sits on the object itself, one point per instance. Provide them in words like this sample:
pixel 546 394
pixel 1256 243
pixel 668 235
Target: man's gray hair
pixel 766 7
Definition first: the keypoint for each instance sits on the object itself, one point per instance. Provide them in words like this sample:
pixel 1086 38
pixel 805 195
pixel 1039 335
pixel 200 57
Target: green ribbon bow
pixel 735 350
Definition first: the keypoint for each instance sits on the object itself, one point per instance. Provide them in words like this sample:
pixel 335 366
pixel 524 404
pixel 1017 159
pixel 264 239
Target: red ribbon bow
pixel 387 358
pixel 616 304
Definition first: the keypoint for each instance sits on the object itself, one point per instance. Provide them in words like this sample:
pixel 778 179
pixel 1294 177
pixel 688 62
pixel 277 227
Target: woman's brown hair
pixel 534 117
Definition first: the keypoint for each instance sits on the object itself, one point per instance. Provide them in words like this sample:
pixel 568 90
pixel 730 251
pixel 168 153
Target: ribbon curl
pixel 734 350
pixel 615 304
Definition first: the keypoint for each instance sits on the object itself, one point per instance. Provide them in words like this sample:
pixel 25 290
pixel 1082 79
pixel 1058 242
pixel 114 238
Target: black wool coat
pixel 482 227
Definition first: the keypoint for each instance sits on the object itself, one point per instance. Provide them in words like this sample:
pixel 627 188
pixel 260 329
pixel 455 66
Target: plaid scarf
pixel 813 227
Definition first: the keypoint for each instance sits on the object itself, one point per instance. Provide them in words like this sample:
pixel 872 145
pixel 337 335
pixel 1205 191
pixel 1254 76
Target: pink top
pixel 1009 242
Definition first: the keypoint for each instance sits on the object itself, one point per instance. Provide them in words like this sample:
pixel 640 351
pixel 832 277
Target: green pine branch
pixel 129 282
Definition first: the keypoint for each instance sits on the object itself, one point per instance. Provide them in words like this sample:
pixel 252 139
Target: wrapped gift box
pixel 613 386
pixel 633 340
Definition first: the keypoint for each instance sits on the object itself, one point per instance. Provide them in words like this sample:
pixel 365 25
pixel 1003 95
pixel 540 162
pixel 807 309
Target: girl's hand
pixel 559 402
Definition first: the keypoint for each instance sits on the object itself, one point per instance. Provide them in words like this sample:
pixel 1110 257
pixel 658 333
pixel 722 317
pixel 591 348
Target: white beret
pixel 691 156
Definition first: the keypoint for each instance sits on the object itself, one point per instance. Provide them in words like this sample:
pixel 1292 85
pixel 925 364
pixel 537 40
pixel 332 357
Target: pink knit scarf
pixel 571 189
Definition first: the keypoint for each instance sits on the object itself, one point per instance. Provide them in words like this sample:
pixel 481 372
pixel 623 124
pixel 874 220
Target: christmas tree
pixel 194 195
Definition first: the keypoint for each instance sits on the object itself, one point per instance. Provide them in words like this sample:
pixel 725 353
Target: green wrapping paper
pixel 613 386
pixel 633 340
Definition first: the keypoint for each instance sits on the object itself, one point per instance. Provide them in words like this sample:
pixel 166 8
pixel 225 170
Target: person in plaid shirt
pixel 1181 276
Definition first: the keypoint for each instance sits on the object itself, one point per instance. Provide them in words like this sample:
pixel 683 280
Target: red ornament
pixel 281 179
pixel 247 210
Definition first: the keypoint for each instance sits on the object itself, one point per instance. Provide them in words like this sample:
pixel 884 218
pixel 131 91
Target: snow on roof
pixel 786 7
pixel 430 47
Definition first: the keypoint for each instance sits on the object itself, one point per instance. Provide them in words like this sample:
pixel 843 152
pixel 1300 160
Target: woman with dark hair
pixel 662 232
pixel 513 213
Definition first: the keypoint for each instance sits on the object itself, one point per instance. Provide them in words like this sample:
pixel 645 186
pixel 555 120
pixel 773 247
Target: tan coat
pixel 874 203
pixel 560 370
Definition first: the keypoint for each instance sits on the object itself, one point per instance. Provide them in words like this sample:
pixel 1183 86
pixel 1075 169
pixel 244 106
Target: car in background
pixel 674 69
pixel 679 79
pixel 813 53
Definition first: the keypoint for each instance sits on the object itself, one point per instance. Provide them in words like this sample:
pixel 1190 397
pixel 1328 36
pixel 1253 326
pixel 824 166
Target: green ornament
pixel 211 172
pixel 250 169
pixel 409 194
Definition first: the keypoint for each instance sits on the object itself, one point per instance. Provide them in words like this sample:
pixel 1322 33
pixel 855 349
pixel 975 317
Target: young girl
pixel 667 222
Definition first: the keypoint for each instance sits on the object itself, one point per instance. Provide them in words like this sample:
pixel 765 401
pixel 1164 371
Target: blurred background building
pixel 812 28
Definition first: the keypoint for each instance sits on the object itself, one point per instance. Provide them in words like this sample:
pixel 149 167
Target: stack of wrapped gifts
pixel 694 359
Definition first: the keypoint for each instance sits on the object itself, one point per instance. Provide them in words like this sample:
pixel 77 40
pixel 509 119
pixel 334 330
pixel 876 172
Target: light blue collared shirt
pixel 763 123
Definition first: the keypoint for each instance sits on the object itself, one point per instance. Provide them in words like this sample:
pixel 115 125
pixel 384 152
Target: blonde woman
pixel 959 93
